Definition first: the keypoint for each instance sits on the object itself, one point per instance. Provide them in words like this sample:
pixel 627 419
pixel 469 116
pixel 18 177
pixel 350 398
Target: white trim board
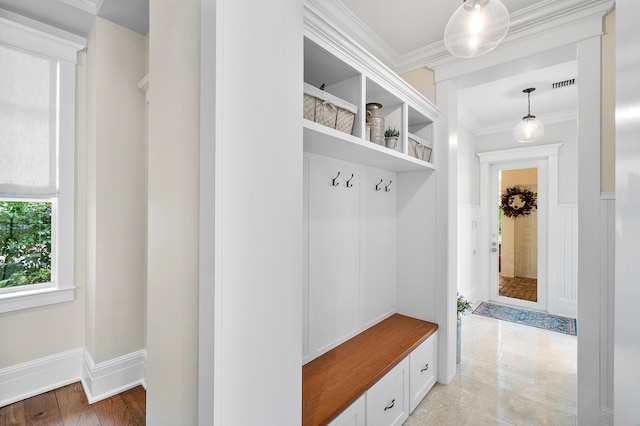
pixel 112 377
pixel 99 381
pixel 32 378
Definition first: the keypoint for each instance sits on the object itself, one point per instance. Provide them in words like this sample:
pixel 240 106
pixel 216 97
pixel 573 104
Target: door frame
pixel 546 156
pixel 494 280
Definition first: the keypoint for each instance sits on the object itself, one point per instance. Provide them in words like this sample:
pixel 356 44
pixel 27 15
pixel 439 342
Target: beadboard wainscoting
pixel 607 297
pixel 566 248
pixel 100 381
pixel 468 277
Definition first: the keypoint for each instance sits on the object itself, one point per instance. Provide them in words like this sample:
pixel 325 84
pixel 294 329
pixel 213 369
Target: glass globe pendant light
pixel 476 28
pixel 530 129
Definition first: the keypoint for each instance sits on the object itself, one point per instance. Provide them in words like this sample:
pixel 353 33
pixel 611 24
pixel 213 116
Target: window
pixel 37 140
pixel 25 243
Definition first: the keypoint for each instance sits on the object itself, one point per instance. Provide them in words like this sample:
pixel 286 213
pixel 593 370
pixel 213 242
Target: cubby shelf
pixel 322 140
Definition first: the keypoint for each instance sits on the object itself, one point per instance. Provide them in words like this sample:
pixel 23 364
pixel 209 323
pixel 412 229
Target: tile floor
pixel 519 288
pixel 510 374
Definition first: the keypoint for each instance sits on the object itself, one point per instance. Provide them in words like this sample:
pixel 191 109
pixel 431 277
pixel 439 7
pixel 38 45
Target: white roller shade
pixel 28 124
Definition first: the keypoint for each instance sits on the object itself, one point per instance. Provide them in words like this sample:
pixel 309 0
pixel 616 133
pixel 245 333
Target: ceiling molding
pixel 338 15
pixel 78 16
pixel 324 33
pixel 89 6
pixel 539 18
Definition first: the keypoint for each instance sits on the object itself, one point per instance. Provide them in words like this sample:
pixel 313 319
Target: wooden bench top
pixel 333 381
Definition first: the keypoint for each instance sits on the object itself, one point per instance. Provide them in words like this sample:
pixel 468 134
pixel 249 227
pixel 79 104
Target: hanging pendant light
pixel 530 129
pixel 476 28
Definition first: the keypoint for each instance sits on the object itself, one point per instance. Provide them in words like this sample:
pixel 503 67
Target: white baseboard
pixel 606 417
pixel 111 377
pixel 41 375
pixel 100 381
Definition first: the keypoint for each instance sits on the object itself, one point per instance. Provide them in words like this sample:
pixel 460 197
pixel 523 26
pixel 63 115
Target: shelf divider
pixel 322 140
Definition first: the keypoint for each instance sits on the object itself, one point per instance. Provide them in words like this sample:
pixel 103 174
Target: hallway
pixel 510 374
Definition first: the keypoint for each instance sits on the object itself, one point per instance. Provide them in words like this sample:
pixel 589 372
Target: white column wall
pixel 446 139
pixel 172 286
pixel 116 192
pixel 590 304
pixel 251 259
pixel 627 228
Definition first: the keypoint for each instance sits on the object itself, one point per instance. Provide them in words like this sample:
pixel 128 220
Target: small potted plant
pixel 391 137
pixel 464 306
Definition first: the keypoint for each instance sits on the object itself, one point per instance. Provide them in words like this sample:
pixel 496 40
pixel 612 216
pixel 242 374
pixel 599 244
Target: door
pixel 518 203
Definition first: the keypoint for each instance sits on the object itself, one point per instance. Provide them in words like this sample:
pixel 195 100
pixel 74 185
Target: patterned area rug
pixel 525 317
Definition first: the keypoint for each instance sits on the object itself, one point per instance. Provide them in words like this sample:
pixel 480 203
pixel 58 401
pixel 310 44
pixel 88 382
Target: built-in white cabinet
pixel 352 416
pixel 343 75
pixel 333 251
pixel 350 281
pixel 371 217
pixel 388 400
pixel 422 370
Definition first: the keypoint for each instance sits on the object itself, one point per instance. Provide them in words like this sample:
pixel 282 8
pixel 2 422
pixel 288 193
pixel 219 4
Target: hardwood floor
pixel 68 405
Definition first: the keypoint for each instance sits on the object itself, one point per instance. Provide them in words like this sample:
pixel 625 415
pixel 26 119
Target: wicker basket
pixel 419 148
pixel 328 110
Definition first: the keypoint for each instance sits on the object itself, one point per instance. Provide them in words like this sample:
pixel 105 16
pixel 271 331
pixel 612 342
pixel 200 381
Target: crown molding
pixel 545 18
pixel 541 18
pixel 339 16
pixel 89 6
pixel 320 29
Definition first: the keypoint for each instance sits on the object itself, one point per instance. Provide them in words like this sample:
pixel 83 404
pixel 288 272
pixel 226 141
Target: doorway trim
pixel 548 210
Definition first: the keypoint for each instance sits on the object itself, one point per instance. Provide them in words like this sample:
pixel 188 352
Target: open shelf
pixel 322 140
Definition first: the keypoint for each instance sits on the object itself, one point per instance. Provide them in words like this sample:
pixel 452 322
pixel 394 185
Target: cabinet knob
pixel 425 368
pixel 390 406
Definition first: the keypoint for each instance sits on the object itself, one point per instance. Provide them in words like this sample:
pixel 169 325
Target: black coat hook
pixel 333 182
pixel 386 188
pixel 378 188
pixel 349 184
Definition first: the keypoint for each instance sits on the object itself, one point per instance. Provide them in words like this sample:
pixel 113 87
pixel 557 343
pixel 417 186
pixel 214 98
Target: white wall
pixel 468 211
pixel 116 192
pixel 627 228
pixel 565 132
pixel 172 287
pixel 39 332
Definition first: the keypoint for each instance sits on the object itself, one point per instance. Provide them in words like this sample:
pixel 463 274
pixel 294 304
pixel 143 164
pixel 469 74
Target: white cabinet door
pixel 352 416
pixel 388 400
pixel 378 242
pixel 334 252
pixel 422 367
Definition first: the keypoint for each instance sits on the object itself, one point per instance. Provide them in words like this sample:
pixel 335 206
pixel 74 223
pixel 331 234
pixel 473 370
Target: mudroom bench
pixel 375 378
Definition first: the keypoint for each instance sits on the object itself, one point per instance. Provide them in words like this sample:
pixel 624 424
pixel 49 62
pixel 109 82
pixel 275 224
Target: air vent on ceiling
pixel 565 83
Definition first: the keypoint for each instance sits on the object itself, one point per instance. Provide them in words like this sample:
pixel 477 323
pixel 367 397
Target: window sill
pixel 15 301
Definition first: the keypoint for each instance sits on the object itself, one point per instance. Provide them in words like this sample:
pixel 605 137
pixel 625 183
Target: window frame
pixel 40 39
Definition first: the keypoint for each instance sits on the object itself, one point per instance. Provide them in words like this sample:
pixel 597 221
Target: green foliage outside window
pixel 25 243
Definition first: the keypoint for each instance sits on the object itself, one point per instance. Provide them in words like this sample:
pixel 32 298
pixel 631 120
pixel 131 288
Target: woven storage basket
pixel 418 148
pixel 328 110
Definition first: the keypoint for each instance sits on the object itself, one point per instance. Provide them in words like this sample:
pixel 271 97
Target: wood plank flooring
pixel 68 406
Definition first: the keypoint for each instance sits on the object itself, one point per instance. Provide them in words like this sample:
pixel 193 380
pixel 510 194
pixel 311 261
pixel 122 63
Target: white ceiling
pixel 402 32
pixel 77 16
pixel 408 25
